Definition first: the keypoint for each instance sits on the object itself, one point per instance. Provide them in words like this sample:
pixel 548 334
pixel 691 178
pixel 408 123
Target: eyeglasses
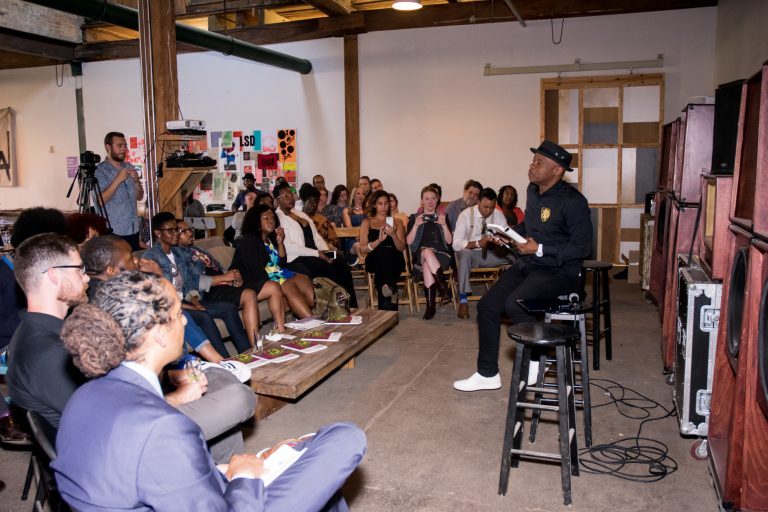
pixel 80 266
pixel 177 230
pixel 185 230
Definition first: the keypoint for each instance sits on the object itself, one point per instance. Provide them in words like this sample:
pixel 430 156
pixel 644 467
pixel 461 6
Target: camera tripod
pixel 89 196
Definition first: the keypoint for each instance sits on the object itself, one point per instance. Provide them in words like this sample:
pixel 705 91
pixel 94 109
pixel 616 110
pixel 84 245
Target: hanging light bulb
pixel 407 5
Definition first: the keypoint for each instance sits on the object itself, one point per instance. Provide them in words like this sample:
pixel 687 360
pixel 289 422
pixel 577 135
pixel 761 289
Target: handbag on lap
pixel 331 300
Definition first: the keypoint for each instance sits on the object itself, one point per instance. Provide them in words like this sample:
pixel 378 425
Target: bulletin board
pixel 267 154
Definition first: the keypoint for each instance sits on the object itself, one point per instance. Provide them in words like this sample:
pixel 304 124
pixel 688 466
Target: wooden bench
pixel 283 383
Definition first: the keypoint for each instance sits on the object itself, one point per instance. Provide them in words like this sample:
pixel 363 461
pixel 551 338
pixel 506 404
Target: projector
pixel 185 124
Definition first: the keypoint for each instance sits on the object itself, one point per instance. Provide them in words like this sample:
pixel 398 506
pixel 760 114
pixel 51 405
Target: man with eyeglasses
pixel 305 248
pixel 41 376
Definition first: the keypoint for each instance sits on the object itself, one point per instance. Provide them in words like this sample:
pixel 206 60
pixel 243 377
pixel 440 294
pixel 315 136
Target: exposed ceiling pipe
pixel 515 12
pixel 101 10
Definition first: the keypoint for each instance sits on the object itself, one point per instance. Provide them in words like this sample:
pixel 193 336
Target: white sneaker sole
pixel 468 388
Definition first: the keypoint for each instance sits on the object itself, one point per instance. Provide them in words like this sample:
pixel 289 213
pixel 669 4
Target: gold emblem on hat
pixel 545 214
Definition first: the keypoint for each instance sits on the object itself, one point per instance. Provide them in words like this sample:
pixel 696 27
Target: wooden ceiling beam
pixel 332 7
pixel 50 49
pixel 359 22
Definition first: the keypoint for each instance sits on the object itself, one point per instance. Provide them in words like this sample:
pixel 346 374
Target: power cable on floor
pixel 638 458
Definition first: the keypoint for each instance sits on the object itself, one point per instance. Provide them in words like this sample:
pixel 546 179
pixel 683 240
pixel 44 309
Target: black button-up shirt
pixel 560 220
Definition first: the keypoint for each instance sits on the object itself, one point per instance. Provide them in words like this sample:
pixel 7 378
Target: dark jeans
pixel 227 312
pixel 133 240
pixel 521 281
pixel 337 271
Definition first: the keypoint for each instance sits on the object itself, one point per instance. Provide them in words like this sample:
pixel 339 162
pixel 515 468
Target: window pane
pixel 601 116
pixel 599 175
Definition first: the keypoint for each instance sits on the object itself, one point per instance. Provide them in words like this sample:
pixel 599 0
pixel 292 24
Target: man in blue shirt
pixel 121 188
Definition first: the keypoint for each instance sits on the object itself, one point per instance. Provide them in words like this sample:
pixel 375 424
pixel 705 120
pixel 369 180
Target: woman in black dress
pixel 260 258
pixel 430 238
pixel 385 238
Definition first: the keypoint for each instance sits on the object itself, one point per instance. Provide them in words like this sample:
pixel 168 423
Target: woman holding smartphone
pixel 430 241
pixel 260 257
pixel 385 238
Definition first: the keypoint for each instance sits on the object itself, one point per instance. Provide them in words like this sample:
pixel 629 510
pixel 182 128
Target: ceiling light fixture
pixel 407 5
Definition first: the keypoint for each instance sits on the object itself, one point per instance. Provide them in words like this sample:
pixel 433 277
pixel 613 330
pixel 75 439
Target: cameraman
pixel 121 189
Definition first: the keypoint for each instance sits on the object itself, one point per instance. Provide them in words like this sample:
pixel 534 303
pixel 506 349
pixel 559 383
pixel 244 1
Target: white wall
pixel 427 112
pixel 742 45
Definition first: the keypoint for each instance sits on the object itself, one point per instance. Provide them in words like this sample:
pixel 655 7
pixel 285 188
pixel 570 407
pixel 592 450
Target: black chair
pixel 601 298
pixel 538 336
pixel 43 452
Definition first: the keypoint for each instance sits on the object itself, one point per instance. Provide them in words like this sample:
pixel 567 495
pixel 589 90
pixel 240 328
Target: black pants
pixel 386 264
pixel 227 312
pixel 337 271
pixel 521 281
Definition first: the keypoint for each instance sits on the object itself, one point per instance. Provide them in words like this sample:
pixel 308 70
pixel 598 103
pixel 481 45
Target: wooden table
pixel 283 383
pixel 219 218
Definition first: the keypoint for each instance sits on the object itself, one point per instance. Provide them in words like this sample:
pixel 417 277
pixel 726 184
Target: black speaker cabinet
pixel 727 103
pixel 658 253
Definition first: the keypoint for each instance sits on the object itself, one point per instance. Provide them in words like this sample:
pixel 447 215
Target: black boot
pixel 384 302
pixel 430 293
pixel 442 287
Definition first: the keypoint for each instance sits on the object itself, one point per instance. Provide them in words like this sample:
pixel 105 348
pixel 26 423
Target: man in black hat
pixel 558 232
pixel 248 181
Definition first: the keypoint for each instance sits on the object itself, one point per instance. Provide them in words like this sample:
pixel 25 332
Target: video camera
pixel 88 161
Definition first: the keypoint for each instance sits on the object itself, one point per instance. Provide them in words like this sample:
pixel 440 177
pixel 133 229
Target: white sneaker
pixel 477 382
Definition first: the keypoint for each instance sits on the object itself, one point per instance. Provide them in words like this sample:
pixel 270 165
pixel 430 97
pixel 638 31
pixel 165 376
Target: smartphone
pixel 430 217
pixel 390 222
pixel 331 255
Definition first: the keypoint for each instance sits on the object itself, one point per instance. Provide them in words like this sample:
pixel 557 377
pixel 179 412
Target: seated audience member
pixel 318 181
pixel 41 376
pixel 383 246
pixel 249 183
pixel 334 212
pixel 220 286
pixel 429 238
pixel 353 218
pixel 305 248
pixel 507 204
pixel 192 207
pixel 143 454
pixel 184 273
pixel 249 201
pixel 473 248
pixel 440 206
pixel 558 231
pixel 310 196
pixel 260 258
pixel 104 257
pixel 30 222
pixel 394 210
pixel 81 227
pixel 376 185
pixel 265 198
pixel 322 200
pixel 469 198
pixel 364 184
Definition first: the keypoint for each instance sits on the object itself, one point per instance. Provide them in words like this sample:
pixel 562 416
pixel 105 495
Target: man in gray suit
pixel 122 447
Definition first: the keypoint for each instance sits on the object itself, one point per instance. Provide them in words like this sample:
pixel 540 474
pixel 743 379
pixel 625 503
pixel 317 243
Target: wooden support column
pixel 159 80
pixel 352 110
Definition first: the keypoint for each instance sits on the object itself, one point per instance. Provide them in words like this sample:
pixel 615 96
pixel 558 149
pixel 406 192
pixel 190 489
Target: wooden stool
pixel 601 291
pixel 542 336
pixel 562 309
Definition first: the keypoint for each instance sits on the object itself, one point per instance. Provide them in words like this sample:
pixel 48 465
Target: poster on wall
pixel 267 154
pixel 8 172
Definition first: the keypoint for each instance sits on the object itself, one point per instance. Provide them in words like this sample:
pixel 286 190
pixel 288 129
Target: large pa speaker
pixel 735 305
pixel 727 102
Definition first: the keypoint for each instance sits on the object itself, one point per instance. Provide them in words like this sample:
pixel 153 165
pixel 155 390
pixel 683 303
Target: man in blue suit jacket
pixel 122 447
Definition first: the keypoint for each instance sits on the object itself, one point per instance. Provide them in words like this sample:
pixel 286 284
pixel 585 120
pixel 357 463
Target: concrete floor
pixel 431 448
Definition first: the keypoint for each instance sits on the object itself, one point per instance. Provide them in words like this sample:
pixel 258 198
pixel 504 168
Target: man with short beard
pixel 121 188
pixel 41 376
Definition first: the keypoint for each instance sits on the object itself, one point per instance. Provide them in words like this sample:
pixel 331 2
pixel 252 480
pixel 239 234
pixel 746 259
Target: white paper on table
pixel 279 337
pixel 259 362
pixel 284 358
pixel 334 336
pixel 305 324
pixel 308 350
